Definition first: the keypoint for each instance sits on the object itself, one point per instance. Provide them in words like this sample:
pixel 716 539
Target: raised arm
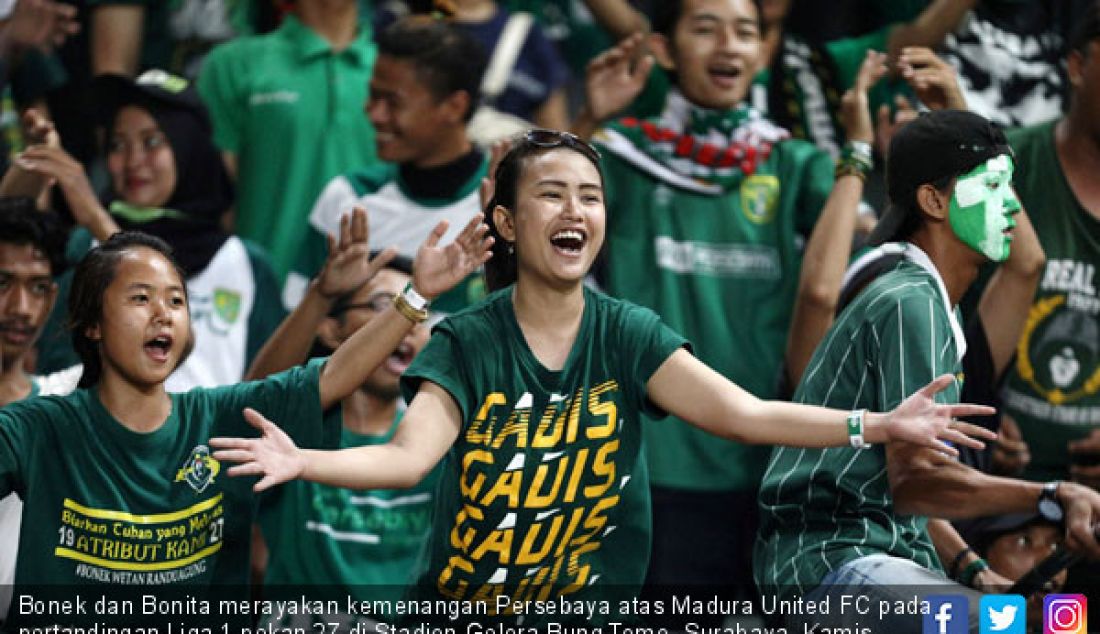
pixel 688 389
pixel 612 81
pixel 55 165
pixel 435 270
pixel 930 27
pixel 427 430
pixel 347 268
pixel 827 251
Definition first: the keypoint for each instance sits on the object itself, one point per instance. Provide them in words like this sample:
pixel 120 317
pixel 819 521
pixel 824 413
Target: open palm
pixel 921 420
pixel 349 265
pixel 437 269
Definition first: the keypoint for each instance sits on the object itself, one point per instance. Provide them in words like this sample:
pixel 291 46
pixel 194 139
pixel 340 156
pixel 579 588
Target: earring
pixel 511 248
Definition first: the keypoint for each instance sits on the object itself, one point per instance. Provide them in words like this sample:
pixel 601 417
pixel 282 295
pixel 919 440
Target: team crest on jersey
pixel 227 304
pixel 760 197
pixel 1059 352
pixel 199 470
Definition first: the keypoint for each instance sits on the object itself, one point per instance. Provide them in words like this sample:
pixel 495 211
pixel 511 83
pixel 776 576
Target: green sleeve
pixel 440 362
pixel 645 343
pixel 290 399
pixel 911 338
pixel 219 89
pixel 816 183
pixel 848 53
pixel 267 307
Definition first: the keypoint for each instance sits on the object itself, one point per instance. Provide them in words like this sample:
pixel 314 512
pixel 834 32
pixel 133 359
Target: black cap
pixel 152 88
pixel 936 145
pixel 981 532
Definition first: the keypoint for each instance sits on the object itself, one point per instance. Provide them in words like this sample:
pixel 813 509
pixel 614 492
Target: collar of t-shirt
pixel 917 256
pixel 309 44
pixel 443 182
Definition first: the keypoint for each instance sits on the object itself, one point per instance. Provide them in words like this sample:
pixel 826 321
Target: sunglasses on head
pixel 554 138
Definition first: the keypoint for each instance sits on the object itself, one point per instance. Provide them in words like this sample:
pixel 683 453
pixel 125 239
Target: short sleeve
pixel 290 399
pixel 848 53
pixel 817 183
pixel 914 345
pixel 645 342
pixel 441 363
pixel 219 89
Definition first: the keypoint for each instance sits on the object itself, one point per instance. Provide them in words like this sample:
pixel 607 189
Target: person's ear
pixel 661 48
pixel 933 202
pixel 328 333
pixel 1075 68
pixel 505 223
pixel 454 106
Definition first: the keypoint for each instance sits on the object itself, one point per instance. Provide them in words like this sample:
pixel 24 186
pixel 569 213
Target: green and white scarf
pixel 708 151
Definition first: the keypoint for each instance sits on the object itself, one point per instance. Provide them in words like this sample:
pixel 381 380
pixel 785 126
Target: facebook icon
pixel 947 614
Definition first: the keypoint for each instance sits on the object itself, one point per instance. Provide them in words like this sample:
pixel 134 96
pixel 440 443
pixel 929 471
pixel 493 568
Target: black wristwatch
pixel 1049 507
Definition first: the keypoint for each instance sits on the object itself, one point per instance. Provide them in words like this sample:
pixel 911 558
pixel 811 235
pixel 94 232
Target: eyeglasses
pixel 555 138
pixel 379 302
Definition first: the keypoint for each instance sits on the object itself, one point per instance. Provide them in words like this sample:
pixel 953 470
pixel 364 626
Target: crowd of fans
pixel 654 241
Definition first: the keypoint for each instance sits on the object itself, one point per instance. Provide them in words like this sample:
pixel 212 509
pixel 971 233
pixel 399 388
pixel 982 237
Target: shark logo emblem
pixel 199 470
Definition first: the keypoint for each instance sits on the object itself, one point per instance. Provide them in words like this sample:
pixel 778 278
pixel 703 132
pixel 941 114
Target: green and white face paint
pixel 982 208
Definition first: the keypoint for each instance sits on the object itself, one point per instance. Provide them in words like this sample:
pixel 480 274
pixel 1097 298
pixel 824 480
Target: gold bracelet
pixel 402 305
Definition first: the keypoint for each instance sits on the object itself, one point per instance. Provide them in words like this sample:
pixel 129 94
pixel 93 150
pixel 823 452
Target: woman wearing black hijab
pixel 168 179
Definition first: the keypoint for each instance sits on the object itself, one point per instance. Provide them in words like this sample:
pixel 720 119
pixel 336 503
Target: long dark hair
pixel 501 269
pixel 92 276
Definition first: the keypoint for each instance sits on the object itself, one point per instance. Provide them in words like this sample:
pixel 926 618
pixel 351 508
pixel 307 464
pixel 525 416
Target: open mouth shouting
pixel 569 242
pixel 725 76
pixel 399 359
pixel 159 348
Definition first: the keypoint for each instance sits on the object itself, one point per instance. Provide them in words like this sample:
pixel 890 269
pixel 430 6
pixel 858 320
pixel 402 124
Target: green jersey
pixel 544 491
pixel 291 109
pixel 723 270
pixel 365 544
pixel 821 508
pixel 107 505
pixel 1053 388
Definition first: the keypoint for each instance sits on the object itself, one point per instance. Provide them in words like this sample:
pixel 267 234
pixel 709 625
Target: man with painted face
pixel 854 521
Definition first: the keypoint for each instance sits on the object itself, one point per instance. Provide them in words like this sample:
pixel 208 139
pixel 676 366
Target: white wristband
pixel 855 429
pixel 415 300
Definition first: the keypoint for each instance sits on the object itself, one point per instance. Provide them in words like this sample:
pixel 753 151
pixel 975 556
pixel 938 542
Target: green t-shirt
pixel 345 539
pixel 545 486
pixel 291 109
pixel 723 270
pixel 821 508
pixel 106 505
pixel 1053 387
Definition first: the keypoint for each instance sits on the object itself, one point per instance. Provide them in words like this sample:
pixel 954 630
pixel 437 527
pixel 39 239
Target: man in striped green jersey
pixel 851 521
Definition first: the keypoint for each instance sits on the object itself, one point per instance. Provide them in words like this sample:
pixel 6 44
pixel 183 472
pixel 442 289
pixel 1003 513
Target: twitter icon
pixel 1003 614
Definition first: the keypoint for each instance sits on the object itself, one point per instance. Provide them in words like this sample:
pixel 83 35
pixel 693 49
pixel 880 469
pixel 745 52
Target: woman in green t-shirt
pixel 535 396
pixel 117 478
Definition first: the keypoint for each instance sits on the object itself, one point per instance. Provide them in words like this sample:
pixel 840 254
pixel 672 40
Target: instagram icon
pixel 1065 614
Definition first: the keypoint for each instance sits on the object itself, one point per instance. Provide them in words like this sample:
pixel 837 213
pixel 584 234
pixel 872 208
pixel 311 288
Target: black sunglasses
pixel 542 137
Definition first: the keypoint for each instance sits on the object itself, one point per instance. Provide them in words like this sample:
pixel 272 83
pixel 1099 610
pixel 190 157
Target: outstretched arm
pixel 687 388
pixel 426 432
